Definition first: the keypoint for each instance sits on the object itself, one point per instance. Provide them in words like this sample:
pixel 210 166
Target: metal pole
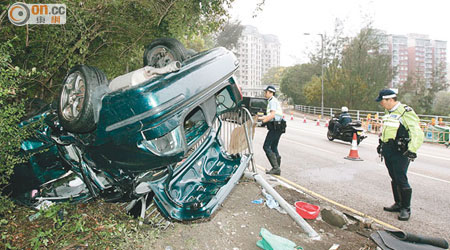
pixel 321 112
pixel 321 36
pixel 286 206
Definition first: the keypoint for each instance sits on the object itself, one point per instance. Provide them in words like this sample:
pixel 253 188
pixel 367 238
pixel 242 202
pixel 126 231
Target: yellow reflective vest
pixel 405 115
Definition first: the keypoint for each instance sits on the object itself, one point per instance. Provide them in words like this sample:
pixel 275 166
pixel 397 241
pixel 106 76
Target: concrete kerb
pixel 339 207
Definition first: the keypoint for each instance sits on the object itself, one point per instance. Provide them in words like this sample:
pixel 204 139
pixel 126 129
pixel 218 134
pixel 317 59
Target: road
pixel 313 162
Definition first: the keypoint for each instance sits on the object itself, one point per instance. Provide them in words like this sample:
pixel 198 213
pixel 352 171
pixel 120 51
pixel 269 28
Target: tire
pixel 75 106
pixel 330 135
pixel 190 53
pixel 360 139
pixel 163 51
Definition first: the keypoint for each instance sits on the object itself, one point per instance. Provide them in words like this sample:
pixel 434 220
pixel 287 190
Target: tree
pixel 273 76
pixel 355 69
pixel 367 69
pixel 11 112
pixel 229 35
pixel 310 91
pixel 295 78
pixel 421 93
pixel 110 35
pixel 441 105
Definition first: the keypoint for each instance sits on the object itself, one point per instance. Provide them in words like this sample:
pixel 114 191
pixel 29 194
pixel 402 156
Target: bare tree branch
pixel 166 12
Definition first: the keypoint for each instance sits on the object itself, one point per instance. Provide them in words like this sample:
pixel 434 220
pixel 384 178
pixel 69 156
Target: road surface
pixel 313 162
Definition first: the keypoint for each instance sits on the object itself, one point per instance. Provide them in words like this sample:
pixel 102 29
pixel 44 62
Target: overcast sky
pixel 290 19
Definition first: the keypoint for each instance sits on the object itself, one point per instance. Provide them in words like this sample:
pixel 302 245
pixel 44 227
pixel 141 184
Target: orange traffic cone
pixel 318 122
pixel 292 117
pixel 353 155
pixel 304 119
pixel 326 123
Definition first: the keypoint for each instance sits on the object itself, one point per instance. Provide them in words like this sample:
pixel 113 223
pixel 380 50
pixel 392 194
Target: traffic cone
pixel 326 123
pixel 292 117
pixel 318 122
pixel 304 119
pixel 353 155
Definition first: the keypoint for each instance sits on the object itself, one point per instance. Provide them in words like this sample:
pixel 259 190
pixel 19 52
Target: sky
pixel 290 19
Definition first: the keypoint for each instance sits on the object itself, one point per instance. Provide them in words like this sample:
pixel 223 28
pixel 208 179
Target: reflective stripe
pixel 389 96
pixel 391 124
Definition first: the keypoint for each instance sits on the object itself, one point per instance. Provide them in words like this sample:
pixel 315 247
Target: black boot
pixel 279 161
pixel 396 206
pixel 405 209
pixel 274 162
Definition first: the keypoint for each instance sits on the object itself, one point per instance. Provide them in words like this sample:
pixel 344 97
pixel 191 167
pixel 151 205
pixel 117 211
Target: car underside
pixel 156 133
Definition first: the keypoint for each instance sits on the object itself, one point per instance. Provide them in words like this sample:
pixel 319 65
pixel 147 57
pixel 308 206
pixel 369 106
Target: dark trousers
pixel 336 128
pixel 271 143
pixel 397 165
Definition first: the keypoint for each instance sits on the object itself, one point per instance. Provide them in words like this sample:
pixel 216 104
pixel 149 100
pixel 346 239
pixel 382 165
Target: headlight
pixel 167 145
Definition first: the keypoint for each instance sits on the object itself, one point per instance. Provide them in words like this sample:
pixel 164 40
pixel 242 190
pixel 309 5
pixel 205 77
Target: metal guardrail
pixel 368 114
pixel 237 129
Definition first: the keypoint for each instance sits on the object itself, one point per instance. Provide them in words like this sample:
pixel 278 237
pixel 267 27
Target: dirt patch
pixel 236 225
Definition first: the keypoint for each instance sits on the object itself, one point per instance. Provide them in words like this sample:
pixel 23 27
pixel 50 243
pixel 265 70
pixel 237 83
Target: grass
pixel 95 225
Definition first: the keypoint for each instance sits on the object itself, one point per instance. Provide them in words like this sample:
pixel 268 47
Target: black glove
pixel 379 149
pixel 410 155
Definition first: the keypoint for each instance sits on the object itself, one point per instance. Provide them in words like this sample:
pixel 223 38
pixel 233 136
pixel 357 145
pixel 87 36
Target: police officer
pixel 274 121
pixel 344 119
pixel 401 137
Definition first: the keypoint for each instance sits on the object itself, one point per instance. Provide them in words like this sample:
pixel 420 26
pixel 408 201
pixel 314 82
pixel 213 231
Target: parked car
pixel 149 134
pixel 256 105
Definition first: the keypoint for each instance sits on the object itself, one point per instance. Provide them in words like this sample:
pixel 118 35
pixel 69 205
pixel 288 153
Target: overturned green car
pixel 154 134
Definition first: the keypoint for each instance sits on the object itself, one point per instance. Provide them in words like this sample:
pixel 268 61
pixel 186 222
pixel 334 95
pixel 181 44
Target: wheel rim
pixel 72 96
pixel 160 56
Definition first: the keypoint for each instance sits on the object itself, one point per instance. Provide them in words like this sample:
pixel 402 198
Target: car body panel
pixel 196 191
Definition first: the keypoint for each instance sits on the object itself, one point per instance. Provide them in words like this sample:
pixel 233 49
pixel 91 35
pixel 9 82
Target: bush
pixel 11 111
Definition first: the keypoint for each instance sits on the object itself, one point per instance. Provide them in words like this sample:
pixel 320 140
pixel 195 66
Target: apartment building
pixel 417 56
pixel 399 49
pixel 257 53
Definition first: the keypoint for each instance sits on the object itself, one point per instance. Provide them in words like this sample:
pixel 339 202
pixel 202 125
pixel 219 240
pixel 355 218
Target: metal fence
pixel 368 114
pixel 436 128
pixel 237 129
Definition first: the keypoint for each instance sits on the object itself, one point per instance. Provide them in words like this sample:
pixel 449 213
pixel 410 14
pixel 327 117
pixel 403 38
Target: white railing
pixel 369 114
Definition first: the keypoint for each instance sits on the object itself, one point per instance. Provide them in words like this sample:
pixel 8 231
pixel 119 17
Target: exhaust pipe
pixel 141 75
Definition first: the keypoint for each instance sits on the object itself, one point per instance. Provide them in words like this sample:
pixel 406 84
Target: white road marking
pixel 421 175
pixel 429 177
pixel 432 156
pixel 309 131
pixel 309 146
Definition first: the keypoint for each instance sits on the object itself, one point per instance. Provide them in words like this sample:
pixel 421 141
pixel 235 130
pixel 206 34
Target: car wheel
pixel 330 136
pixel 75 107
pixel 163 51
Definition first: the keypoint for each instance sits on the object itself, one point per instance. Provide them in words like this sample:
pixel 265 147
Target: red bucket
pixel 306 210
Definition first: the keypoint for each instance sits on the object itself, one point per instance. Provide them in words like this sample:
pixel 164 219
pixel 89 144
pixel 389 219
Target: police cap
pixel 385 94
pixel 271 89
